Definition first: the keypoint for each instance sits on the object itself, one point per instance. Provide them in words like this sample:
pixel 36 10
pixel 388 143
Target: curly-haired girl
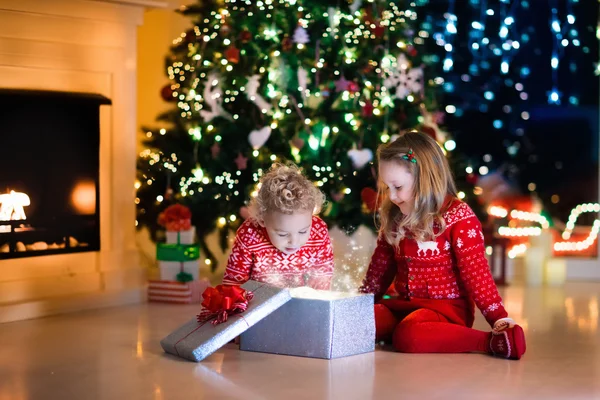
pixel 283 243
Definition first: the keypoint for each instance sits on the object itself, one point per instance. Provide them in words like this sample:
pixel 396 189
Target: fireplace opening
pixel 49 172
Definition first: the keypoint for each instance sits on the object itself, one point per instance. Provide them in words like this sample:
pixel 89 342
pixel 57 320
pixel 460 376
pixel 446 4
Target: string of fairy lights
pixel 565 246
pixel 486 46
pixel 498 41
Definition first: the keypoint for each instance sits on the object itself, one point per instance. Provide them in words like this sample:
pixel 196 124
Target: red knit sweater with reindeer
pixel 254 257
pixel 451 267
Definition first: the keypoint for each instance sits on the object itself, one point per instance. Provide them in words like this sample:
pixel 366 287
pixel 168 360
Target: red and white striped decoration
pixel 176 292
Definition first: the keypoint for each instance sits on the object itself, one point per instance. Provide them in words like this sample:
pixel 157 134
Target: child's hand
pixel 502 324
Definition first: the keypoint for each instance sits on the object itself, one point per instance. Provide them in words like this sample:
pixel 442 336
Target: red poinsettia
pixel 176 217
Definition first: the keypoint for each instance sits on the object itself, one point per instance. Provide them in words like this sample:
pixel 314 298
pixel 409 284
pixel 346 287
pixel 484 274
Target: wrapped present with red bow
pixel 178 262
pixel 299 322
pixel 178 258
pixel 177 220
pixel 226 312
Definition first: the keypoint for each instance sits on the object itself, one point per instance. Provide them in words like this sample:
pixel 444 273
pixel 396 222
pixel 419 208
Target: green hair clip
pixel 410 156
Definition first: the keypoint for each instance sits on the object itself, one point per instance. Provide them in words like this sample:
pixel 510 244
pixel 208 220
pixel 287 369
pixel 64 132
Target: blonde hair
pixel 286 190
pixel 433 182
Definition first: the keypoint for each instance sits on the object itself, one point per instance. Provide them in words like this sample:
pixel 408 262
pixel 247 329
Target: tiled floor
pixel 115 354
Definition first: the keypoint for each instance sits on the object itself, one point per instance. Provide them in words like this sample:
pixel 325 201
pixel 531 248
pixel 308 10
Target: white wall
pixel 154 38
pixel 80 46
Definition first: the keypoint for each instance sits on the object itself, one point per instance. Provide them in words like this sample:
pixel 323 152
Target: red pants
pixel 429 326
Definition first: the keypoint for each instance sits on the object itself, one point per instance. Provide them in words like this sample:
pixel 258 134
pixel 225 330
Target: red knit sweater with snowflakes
pixel 254 257
pixel 451 267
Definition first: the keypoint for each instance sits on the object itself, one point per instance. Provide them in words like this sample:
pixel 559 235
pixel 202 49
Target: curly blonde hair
pixel 286 190
pixel 433 184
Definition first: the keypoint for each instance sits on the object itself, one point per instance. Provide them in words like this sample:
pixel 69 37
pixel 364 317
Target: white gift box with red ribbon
pixel 170 269
pixel 182 237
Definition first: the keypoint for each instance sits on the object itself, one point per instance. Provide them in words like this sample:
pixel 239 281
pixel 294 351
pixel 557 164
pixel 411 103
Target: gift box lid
pixel 197 340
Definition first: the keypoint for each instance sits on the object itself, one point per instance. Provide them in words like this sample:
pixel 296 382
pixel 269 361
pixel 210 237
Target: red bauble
pixel 286 44
pixel 190 36
pixel 369 197
pixel 245 36
pixel 412 51
pixel 353 87
pixel 232 54
pixel 377 29
pixel 367 109
pixel 472 179
pixel 167 93
pixel 225 29
pixel 297 142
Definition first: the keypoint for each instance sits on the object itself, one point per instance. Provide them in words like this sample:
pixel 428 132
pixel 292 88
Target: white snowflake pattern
pixel 459 243
pixel 472 233
pixel 447 246
pixel 403 79
pixel 458 213
pixel 492 307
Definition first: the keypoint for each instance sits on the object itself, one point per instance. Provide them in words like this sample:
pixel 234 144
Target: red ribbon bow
pixel 222 301
pixel 176 217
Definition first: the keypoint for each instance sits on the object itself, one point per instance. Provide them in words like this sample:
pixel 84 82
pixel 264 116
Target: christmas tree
pixel 319 83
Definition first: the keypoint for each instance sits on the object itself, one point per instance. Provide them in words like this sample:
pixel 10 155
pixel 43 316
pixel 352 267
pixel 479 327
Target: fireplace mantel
pixel 81 46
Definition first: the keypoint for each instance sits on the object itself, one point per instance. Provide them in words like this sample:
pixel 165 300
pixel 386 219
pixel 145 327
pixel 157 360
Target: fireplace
pixel 49 172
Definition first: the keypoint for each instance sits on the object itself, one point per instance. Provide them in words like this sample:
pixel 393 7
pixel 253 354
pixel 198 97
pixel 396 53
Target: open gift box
pixel 298 322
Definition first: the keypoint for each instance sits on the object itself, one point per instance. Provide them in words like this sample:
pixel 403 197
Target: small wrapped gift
pixel 187 236
pixel 177 220
pixel 178 262
pixel 165 291
pixel 226 314
pixel 172 270
pixel 316 324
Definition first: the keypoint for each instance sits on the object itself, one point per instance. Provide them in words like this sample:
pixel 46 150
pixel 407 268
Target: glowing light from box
pixel 11 206
pixel 305 292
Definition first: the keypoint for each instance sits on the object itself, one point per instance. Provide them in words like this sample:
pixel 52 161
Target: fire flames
pixel 11 206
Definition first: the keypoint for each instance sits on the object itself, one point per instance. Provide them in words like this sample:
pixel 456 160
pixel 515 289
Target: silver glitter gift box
pixel 196 341
pixel 332 325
